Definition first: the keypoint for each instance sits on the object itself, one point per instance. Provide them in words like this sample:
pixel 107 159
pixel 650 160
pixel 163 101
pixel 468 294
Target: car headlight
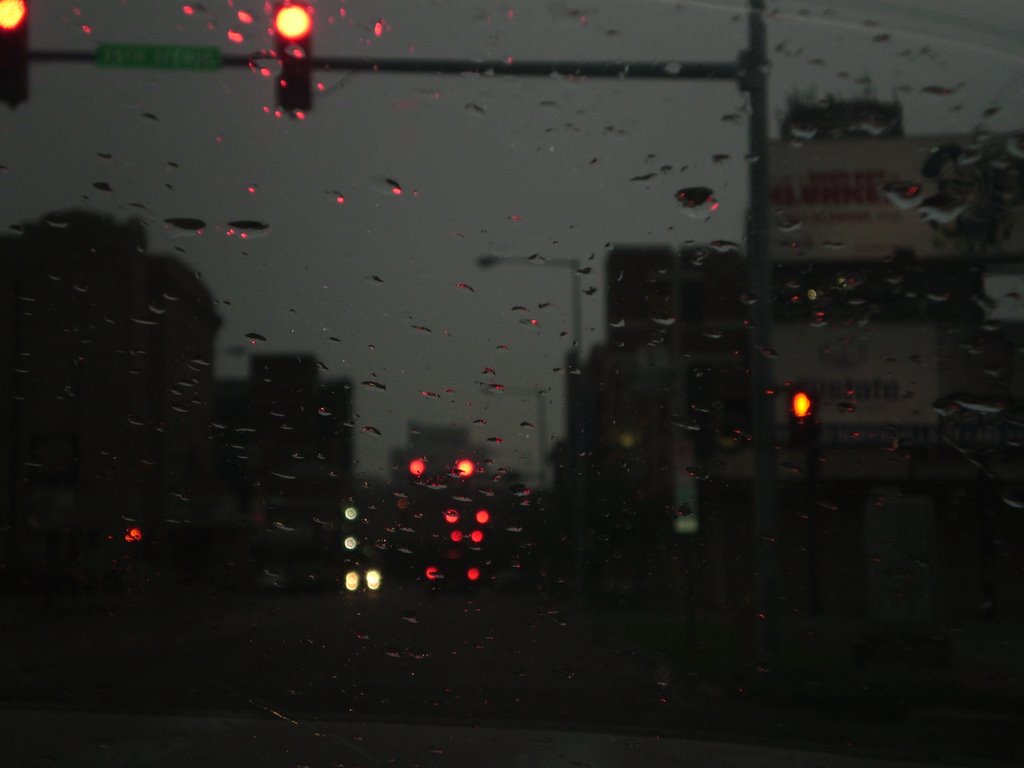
pixel 373 579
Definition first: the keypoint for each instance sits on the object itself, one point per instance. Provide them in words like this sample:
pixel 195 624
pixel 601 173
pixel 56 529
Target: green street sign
pixel 158 56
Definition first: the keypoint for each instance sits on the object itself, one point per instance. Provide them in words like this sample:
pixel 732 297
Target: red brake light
pixel 473 574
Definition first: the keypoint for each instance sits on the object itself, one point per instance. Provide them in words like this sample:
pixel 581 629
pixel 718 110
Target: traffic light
pixel 13 51
pixel 293 36
pixel 803 419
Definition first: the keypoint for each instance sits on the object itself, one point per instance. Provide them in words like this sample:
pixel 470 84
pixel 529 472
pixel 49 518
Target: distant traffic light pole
pixel 804 433
pixel 749 73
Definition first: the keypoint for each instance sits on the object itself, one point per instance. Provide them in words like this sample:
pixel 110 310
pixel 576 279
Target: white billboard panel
pixel 939 196
pixel 867 380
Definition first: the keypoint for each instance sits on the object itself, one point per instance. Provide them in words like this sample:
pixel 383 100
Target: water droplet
pixel 903 194
pixel 465 286
pixel 786 223
pixel 374 385
pixel 697 201
pixel 247 229
pixel 371 431
pixel 940 90
pixel 724 246
pixel 942 208
pixel 1013 500
pixel 673 68
pixel 1015 145
pixel 102 186
pixel 802 132
pixel 185 226
pixel 980 404
pixel 255 337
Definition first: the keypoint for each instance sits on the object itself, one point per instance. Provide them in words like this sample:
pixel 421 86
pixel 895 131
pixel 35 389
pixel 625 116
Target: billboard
pixel 872 383
pixel 938 196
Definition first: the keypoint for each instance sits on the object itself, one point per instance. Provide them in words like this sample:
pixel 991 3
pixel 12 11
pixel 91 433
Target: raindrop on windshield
pixel 903 194
pixel 942 208
pixel 185 226
pixel 697 201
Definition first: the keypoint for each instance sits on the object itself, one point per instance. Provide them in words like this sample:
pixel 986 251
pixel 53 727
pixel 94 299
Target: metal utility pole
pixel 754 80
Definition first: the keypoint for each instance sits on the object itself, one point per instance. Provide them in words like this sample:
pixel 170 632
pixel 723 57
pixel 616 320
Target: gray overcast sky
pixel 486 165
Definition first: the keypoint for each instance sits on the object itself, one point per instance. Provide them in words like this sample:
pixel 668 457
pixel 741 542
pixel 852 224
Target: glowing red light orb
pixel 293 21
pixel 801 405
pixel 482 516
pixel 417 467
pixel 133 534
pixel 456 535
pixel 12 14
pixel 473 574
pixel 432 573
pixel 451 516
pixel 477 536
pixel 465 467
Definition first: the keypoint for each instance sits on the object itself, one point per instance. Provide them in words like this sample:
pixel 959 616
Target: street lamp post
pixel 540 428
pixel 575 425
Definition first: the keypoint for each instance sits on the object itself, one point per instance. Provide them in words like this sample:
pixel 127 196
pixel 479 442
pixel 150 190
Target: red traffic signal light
pixel 13 51
pixel 800 404
pixel 803 419
pixel 293 36
pixel 293 22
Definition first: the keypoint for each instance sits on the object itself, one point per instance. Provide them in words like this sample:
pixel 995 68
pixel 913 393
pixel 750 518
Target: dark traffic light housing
pixel 293 39
pixel 804 425
pixel 13 51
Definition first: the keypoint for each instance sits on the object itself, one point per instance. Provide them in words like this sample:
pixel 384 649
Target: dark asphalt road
pixel 407 655
pixel 404 652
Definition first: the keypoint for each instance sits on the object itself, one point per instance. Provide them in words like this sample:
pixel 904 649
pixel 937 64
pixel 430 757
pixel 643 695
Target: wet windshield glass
pixel 623 366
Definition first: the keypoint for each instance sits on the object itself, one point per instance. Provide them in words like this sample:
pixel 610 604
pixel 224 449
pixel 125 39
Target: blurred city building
pixel 897 304
pixel 285 443
pixel 109 358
